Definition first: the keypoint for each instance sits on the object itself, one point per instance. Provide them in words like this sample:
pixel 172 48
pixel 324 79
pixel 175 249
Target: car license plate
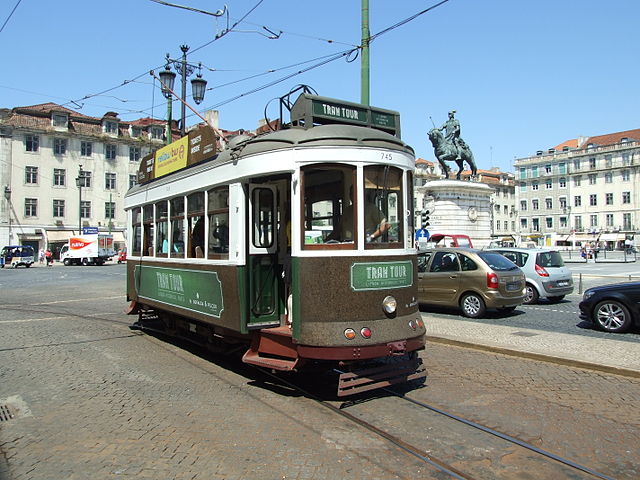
pixel 563 283
pixel 512 286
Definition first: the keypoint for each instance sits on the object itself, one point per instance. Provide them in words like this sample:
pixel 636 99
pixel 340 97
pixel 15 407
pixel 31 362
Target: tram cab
pixel 298 242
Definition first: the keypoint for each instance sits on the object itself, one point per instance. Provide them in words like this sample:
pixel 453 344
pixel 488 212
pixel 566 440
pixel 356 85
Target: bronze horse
pixel 445 151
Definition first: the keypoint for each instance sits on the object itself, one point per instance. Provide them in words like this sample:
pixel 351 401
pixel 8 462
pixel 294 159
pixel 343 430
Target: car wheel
pixel 472 305
pixel 556 299
pixel 612 316
pixel 66 262
pixel 85 262
pixel 531 295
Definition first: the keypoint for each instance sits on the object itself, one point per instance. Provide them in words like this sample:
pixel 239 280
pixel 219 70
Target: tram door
pixel 263 257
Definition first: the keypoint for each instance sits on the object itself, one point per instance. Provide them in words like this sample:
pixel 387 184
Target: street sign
pixel 89 230
pixel 422 234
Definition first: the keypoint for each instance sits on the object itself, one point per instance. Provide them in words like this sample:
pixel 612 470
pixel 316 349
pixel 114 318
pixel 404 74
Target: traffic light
pixel 425 218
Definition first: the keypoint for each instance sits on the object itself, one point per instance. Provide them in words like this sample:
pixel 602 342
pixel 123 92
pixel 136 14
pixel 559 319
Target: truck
pixel 89 249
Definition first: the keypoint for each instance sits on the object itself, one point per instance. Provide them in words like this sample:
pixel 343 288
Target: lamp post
pixel 79 183
pixel 198 86
pixel 7 195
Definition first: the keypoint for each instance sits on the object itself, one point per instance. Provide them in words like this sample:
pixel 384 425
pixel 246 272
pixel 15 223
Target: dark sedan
pixel 612 308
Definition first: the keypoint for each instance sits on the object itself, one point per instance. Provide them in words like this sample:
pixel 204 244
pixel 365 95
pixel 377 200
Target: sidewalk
pixel 609 354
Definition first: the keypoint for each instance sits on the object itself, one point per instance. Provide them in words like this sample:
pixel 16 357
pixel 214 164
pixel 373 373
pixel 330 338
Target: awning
pixel 611 237
pixel 118 236
pixel 58 235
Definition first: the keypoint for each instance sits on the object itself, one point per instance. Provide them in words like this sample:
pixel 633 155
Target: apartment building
pixel 61 171
pixel 584 190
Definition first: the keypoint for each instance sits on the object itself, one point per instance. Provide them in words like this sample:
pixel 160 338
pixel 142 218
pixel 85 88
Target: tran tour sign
pixel 312 109
pixel 381 275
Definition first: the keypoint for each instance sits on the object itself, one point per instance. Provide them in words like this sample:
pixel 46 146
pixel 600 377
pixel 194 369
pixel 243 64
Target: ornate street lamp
pixel 167 79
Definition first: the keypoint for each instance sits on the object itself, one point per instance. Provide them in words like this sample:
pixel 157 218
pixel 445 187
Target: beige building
pixel 46 151
pixel 584 190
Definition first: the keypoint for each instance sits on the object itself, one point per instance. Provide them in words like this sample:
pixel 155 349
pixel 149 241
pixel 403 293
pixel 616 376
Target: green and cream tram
pixel 297 242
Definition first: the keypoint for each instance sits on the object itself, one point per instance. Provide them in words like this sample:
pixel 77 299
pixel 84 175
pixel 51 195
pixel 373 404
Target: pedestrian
pixel 49 256
pixel 41 256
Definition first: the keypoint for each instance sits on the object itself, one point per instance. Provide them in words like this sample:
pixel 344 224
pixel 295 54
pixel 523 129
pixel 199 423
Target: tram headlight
pixel 389 305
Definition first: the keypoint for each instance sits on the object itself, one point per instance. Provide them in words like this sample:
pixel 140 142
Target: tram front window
pixel 383 205
pixel 329 206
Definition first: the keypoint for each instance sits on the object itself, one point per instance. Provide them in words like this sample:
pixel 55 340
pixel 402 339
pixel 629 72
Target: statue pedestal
pixel 460 207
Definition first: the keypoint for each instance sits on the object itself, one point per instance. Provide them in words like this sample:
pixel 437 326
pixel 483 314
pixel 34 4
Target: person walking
pixel 49 256
pixel 41 256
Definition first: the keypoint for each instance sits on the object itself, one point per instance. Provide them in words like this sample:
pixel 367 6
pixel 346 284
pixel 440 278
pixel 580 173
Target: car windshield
pixel 549 259
pixel 497 262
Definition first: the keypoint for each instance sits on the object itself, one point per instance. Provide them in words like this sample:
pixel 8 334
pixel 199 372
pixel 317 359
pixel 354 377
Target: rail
pixel 602 256
pixel 606 279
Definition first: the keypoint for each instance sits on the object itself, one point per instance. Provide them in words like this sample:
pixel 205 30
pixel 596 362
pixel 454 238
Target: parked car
pixel 547 275
pixel 469 279
pixel 613 308
pixel 449 240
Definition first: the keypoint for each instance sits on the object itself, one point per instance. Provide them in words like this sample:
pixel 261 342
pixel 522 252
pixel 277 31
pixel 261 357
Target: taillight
pixel 492 280
pixel 541 271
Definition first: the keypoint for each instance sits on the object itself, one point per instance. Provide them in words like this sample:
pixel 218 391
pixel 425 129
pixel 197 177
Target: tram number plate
pixel 512 286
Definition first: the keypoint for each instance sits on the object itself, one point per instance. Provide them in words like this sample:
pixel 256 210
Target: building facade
pixel 61 171
pixel 582 191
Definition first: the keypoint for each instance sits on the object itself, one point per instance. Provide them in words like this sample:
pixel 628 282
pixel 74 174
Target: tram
pixel 295 245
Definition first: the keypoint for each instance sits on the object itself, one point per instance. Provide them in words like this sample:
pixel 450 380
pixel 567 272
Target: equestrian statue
pixel 451 147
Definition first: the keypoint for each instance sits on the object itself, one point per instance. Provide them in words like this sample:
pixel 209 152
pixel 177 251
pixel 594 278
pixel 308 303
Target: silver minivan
pixel 547 275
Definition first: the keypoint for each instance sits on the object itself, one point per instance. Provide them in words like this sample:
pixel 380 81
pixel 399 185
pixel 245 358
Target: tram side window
pixel 263 218
pixel 177 227
pixel 136 222
pixel 195 224
pixel 162 229
pixel 383 205
pixel 329 206
pixel 147 230
pixel 218 212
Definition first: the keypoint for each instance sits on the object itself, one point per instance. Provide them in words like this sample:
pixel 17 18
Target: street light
pixel 167 78
pixel 198 85
pixel 80 184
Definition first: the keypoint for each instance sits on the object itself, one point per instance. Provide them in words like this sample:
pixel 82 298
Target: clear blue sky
pixel 522 75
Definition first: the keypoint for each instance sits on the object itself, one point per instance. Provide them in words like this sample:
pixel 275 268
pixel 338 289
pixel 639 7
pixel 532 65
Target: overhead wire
pixel 10 15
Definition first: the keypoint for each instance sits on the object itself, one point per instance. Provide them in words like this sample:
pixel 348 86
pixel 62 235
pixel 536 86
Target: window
pixel 608 177
pixel 577 222
pixel 549 222
pixel 548 203
pixel 535 224
pixel 534 186
pixel 383 206
pixel 110 181
pixel 534 172
pixel 592 178
pixel 577 201
pixel 626 221
pixel 608 198
pixel 547 169
pixel 85 209
pixel 109 210
pixel 111 127
pixel 562 182
pixel 625 175
pixel 593 199
pixel 58 208
pixel 329 209
pixel 31 175
pixel 59 146
pixel 195 224
pixel 135 132
pixel 136 226
pixel 162 228
pixel 563 222
pixel 576 164
pixel 218 213
pixel 535 204
pixel 592 163
pixel 156 133
pixel 609 219
pixel 134 154
pixel 59 177
pixel 30 207
pixel 523 205
pixel 523 223
pixel 593 220
pixel 86 149
pixel 608 161
pixel 562 168
pixel 32 143
pixel 577 180
pixel 176 249
pixel 85 181
pixel 626 159
pixel 147 230
pixel 523 187
pixel 132 180
pixel 523 173
pixel 59 120
pixel 505 209
pixel 549 184
pixel 563 202
pixel 626 197
pixel 110 151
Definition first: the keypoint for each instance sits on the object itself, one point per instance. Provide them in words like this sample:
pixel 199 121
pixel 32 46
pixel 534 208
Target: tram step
pixel 276 363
